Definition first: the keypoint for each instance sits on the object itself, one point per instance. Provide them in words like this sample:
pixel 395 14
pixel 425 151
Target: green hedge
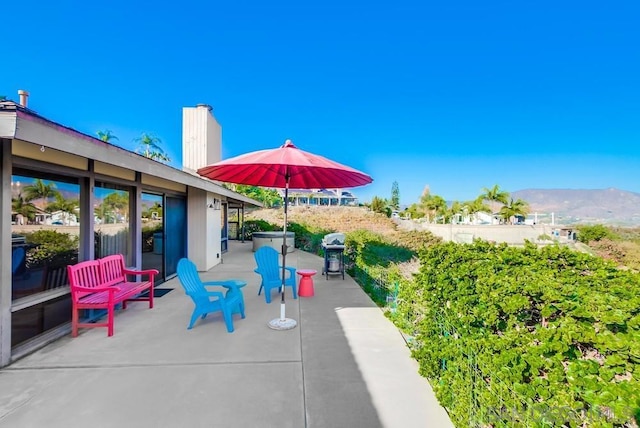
pixel 51 248
pixel 373 262
pixel 526 336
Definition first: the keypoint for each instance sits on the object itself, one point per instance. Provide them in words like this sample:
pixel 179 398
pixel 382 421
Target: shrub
pixel 552 328
pixel 147 237
pixel 308 238
pixel 375 263
pixel 251 226
pixel 49 247
pixel 596 232
pixel 414 240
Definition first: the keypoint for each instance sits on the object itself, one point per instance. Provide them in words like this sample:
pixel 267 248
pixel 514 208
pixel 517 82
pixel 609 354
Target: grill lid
pixel 334 240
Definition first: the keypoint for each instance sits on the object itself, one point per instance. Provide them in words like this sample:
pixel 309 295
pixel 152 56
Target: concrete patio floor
pixel 344 365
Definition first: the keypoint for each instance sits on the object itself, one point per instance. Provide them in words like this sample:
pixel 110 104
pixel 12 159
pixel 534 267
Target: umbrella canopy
pixel 286 166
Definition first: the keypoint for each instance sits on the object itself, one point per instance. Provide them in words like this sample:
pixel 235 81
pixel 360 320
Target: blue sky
pixel 454 95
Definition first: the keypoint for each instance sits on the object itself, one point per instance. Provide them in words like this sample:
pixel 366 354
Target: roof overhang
pixel 19 123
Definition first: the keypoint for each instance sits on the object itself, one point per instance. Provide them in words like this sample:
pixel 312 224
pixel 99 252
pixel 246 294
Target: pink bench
pixel 103 284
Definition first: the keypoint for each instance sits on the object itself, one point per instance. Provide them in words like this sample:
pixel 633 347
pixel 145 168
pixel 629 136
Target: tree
pixel 66 206
pixel 149 147
pixel 433 205
pixel 106 136
pixel 476 206
pixel 514 208
pixel 23 207
pixel 40 190
pixel 414 211
pixel 117 203
pixel 102 214
pixel 395 196
pixel 495 196
pixel 456 208
pixel 268 197
pixel 596 232
pixel 378 205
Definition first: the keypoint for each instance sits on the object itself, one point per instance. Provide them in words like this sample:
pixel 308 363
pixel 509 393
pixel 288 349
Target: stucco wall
pixel 512 235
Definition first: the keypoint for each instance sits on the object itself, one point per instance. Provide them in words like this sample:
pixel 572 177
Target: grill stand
pixel 334 250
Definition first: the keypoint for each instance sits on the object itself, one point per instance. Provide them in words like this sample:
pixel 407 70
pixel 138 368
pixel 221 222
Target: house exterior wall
pixel 203 230
pixel 40 147
pixel 5 254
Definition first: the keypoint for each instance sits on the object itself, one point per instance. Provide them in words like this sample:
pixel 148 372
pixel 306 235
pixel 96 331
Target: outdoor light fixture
pixel 215 204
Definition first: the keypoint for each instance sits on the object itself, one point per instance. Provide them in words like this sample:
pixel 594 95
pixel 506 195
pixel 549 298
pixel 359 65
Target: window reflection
pixel 153 233
pixel 111 219
pixel 45 233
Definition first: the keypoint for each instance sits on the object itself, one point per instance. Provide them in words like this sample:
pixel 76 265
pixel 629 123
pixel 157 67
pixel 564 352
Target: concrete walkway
pixel 345 365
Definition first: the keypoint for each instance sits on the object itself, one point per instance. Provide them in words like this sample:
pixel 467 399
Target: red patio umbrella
pixel 285 167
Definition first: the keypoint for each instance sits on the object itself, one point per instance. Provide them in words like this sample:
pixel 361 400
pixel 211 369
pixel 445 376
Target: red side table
pixel 305 289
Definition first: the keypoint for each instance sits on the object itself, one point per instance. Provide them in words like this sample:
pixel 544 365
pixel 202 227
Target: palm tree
pixel 106 136
pixel 40 190
pixel 66 206
pixel 455 209
pixel 149 146
pixel 514 208
pixel 23 207
pixel 378 205
pixel 495 196
pixel 433 205
pixel 157 209
pixel 472 208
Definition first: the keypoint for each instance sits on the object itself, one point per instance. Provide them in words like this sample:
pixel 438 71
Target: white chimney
pixel 24 96
pixel 201 137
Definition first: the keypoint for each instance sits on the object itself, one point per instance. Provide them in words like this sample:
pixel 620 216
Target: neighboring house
pixel 475 219
pixel 34 311
pixel 62 218
pixel 320 197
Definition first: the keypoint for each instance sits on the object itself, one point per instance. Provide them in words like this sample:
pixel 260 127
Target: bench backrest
pixel 84 274
pixel 112 268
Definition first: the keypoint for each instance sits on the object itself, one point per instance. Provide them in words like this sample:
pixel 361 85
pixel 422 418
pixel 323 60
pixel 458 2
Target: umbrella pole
pixel 283 323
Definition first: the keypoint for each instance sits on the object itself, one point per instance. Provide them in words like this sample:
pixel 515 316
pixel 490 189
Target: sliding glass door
pixel 164 233
pixel 176 236
pixel 153 233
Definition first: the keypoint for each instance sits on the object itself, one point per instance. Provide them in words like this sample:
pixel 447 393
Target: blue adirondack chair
pixel 270 270
pixel 207 301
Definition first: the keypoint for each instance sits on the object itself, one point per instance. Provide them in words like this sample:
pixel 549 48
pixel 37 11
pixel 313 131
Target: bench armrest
pixel 140 272
pixel 110 288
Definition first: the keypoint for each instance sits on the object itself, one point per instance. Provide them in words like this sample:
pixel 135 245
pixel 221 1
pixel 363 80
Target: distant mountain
pixel 607 206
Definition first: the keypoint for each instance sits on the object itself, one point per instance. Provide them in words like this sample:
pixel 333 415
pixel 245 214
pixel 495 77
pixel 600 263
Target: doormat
pixel 157 292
